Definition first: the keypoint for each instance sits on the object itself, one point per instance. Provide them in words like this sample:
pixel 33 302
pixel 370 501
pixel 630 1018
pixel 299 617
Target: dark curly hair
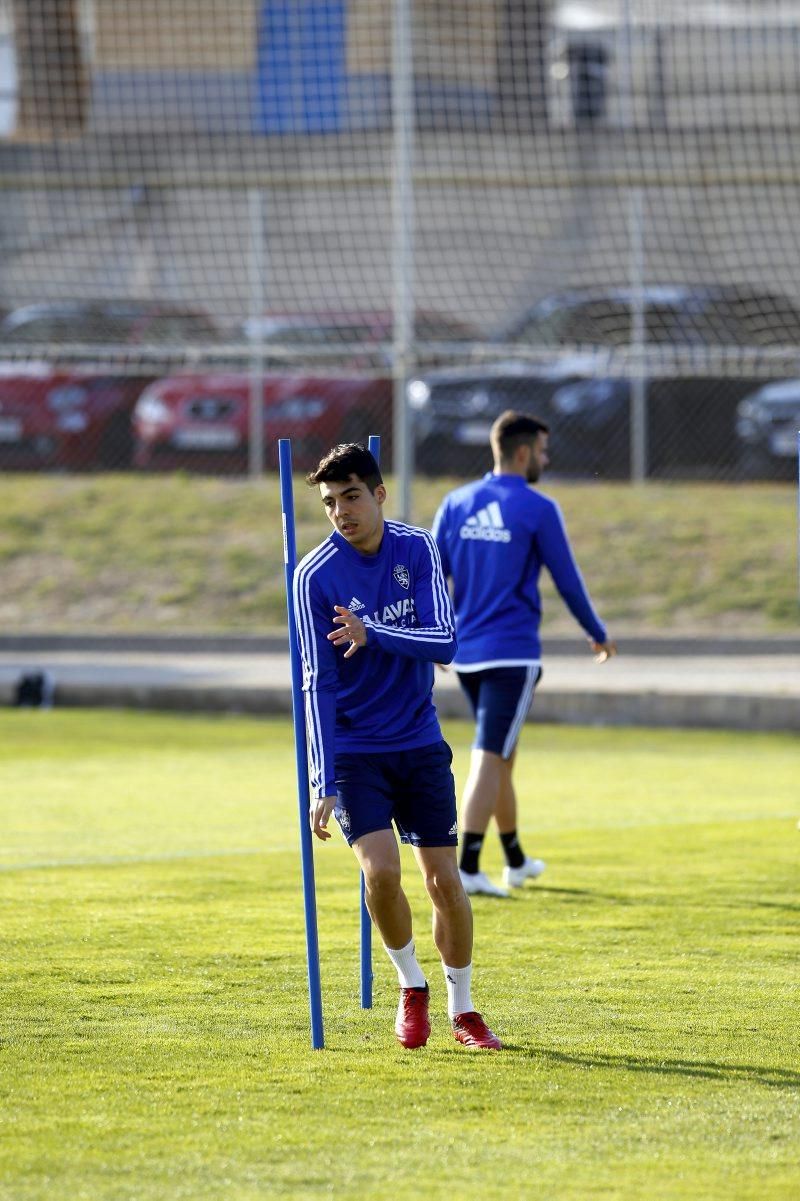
pixel 349 458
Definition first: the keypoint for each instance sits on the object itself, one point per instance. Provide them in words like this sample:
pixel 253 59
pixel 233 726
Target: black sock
pixel 515 856
pixel 470 851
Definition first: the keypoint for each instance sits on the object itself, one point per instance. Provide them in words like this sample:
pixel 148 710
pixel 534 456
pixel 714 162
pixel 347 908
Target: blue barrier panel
pixel 301 69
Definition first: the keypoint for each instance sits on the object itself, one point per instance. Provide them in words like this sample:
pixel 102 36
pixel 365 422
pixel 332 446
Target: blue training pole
pixel 301 749
pixel 374 447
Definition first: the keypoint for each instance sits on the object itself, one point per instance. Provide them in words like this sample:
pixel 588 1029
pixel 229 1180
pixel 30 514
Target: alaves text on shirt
pixel 396 613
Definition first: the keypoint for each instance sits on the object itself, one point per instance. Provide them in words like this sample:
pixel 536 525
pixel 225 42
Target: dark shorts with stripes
pixel 500 698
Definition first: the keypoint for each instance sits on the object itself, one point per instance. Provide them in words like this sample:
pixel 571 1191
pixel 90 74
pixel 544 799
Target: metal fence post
pixel 403 121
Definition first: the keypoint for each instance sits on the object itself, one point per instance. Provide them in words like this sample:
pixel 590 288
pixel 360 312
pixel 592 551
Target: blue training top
pixel 380 698
pixel 494 535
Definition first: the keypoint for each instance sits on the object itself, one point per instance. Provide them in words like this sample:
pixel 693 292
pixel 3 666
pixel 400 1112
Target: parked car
pixel 767 425
pixel 357 340
pixel 71 419
pixel 73 411
pixel 201 420
pixel 574 365
pixel 672 315
pixel 453 411
pixel 104 323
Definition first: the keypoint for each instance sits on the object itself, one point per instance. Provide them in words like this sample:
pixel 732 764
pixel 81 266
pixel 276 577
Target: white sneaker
pixel 515 877
pixel 478 882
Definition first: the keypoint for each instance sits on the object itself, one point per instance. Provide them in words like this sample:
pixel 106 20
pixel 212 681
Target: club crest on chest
pixel 402 576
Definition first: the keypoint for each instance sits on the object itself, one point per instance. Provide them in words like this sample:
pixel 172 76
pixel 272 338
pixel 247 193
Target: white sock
pixel 458 989
pixel 409 973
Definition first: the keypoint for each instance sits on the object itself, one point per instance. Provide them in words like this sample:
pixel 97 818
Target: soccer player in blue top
pixel 494 536
pixel 373 616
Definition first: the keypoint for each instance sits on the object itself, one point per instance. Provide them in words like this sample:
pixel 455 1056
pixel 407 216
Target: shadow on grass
pixel 702 1069
pixel 588 893
pixel 786 906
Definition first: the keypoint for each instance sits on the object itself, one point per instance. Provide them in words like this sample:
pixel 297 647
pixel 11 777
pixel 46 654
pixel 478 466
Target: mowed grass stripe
pixel 154 1035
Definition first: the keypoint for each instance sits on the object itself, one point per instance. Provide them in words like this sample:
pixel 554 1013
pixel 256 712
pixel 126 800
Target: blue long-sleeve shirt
pixel 494 536
pixel 380 698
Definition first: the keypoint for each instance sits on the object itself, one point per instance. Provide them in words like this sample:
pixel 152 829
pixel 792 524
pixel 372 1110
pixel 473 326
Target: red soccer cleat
pixel 471 1030
pixel 413 1026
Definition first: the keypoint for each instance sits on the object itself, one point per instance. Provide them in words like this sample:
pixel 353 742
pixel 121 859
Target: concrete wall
pixel 155 35
pixel 457 38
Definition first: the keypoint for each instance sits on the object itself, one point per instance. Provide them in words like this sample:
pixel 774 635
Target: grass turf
pixel 177 553
pixel 154 1029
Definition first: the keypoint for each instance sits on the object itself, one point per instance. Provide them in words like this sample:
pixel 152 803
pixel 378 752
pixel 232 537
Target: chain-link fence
pixel 222 223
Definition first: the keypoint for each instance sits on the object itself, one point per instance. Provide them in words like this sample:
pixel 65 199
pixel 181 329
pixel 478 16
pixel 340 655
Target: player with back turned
pixel 494 536
pixel 373 616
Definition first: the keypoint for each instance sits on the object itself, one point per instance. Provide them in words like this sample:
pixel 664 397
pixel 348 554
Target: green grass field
pixel 180 553
pixel 154 1037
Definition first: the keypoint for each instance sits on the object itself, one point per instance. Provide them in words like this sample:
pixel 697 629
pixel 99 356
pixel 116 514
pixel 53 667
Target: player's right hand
pixel 352 631
pixel 603 651
pixel 319 815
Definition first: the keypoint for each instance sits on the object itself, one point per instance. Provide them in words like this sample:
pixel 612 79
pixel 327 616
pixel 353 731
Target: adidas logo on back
pixel 486 525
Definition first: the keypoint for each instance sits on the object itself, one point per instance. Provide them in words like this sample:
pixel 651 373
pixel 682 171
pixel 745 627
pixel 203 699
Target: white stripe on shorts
pixel 525 698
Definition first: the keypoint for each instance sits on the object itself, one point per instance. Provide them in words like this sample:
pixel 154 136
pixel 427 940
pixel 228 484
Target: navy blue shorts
pixel 500 698
pixel 414 789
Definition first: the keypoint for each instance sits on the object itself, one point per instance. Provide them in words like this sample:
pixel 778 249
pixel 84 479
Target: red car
pixel 359 340
pixel 55 414
pixel 68 418
pixel 200 420
pixel 103 324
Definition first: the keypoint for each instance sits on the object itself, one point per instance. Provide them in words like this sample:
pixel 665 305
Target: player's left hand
pixel 603 651
pixel 351 629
